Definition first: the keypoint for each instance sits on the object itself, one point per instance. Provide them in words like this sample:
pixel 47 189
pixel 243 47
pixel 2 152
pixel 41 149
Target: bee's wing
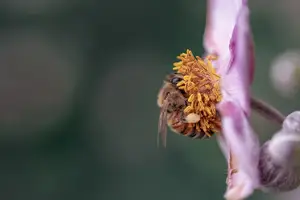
pixel 162 126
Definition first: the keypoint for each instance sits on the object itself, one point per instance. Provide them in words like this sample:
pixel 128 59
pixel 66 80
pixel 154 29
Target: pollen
pixel 201 84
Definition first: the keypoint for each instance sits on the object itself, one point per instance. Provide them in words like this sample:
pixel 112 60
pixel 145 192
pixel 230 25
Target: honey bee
pixel 172 102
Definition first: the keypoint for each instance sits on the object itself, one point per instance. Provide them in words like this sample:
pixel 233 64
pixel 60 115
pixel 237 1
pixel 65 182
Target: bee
pixel 172 102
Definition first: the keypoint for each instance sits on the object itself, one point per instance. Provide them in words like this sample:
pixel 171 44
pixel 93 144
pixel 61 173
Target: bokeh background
pixel 78 88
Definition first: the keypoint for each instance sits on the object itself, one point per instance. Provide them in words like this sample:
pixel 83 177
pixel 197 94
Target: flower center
pixel 201 83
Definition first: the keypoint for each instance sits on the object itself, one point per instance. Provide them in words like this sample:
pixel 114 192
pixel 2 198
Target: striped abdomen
pixel 187 129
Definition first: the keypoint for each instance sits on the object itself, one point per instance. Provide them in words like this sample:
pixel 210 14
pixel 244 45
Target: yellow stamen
pixel 201 83
pixel 191 98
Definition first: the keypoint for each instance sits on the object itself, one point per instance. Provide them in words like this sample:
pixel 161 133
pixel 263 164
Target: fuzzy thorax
pixel 201 83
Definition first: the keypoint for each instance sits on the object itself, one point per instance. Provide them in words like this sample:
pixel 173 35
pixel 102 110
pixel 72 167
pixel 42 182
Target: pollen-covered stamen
pixel 202 85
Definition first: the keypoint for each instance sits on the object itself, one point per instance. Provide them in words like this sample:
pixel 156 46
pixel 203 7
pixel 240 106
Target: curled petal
pixel 243 144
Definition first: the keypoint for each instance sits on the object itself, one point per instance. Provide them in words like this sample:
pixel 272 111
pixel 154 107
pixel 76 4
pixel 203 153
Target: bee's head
pixel 173 78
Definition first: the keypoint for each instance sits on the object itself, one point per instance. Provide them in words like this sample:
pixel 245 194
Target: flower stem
pixel 266 110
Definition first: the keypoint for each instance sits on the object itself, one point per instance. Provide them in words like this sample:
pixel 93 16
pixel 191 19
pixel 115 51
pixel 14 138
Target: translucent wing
pixel 162 126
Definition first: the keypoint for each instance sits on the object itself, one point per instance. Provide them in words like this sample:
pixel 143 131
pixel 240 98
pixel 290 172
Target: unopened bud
pixel 279 163
pixel 292 122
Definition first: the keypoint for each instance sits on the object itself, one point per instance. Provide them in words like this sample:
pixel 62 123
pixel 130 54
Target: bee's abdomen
pixel 192 132
pixel 186 129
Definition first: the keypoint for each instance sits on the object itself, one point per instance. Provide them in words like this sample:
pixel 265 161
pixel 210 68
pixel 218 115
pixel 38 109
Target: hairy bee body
pixel 172 102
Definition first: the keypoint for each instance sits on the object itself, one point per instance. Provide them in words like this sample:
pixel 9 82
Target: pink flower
pixel 228 35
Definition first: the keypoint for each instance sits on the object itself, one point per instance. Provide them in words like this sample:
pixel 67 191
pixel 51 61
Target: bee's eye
pixel 175 80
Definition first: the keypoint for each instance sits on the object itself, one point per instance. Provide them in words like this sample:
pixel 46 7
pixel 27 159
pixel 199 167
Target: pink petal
pixel 237 76
pixel 220 22
pixel 239 138
pixel 228 35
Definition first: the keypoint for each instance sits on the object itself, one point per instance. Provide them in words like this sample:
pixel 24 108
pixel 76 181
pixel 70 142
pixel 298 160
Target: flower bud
pixel 292 122
pixel 279 163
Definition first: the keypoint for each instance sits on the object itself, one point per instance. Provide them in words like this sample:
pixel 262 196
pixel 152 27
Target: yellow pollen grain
pixel 201 83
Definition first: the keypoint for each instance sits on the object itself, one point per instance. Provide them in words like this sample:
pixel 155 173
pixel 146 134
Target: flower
pixel 228 35
pixel 217 89
pixel 219 86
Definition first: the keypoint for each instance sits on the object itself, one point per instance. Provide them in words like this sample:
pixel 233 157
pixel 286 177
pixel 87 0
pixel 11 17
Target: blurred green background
pixel 78 88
